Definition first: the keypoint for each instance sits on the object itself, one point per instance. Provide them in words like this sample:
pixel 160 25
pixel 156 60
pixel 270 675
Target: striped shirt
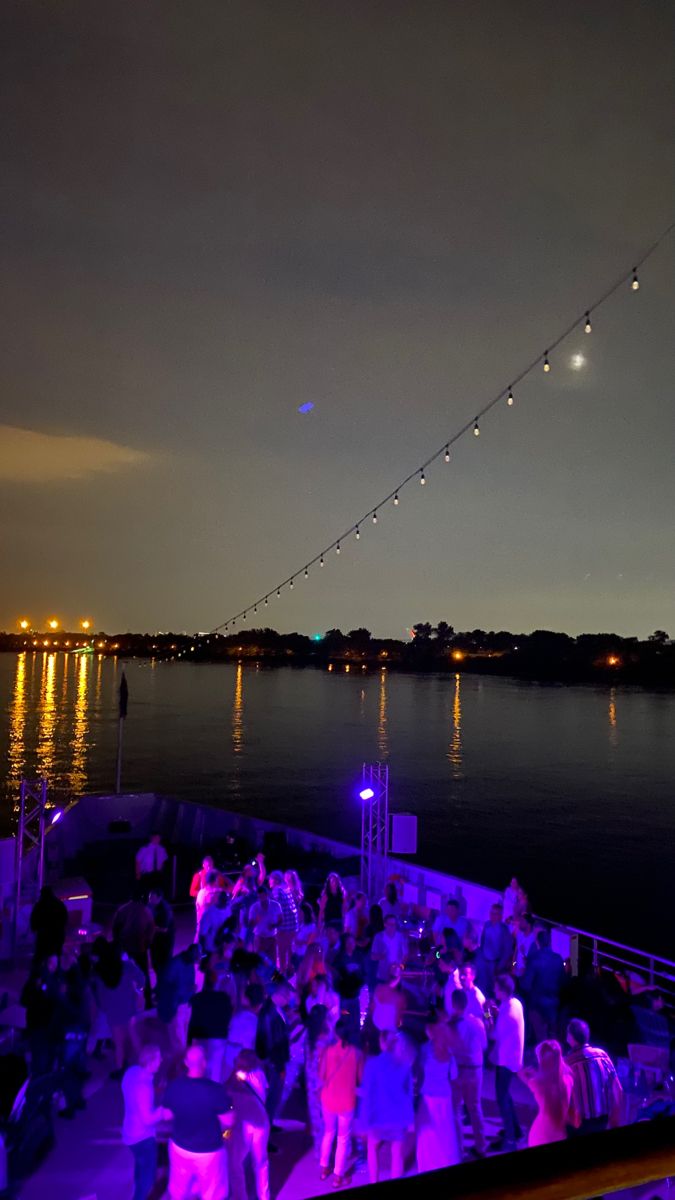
pixel 596 1086
pixel 289 911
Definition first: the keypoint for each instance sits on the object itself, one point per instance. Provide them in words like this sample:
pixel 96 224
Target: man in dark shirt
pixel 202 1123
pixel 542 985
pixel 272 1044
pixel 161 947
pixel 48 921
pixel 209 1024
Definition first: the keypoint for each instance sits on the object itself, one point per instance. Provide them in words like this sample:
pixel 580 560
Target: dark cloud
pixel 213 215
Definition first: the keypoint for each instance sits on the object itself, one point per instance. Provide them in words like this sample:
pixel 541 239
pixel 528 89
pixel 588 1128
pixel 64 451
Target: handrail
pixel 578 1169
pixel 595 937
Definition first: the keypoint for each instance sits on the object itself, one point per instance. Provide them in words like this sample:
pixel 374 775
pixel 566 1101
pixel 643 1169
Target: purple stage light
pixel 56 816
pixel 366 794
pixel 306 407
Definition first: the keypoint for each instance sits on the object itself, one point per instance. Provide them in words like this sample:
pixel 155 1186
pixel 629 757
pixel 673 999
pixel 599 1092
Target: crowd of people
pixel 387 1016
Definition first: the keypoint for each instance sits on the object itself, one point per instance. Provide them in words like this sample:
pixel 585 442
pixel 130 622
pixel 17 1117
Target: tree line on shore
pixel 542 654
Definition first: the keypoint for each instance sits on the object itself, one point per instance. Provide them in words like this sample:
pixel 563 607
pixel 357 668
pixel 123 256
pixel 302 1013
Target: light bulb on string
pixel 476 430
pixel 321 562
pixel 423 478
pixel 306 573
pixel 509 398
pixel 396 499
pixel 291 585
pixel 357 533
pixel 587 326
pixel 278 591
pixel 266 601
pixel 374 518
pixel 446 456
pixel 547 365
pixel 255 608
pixel 635 282
pixel 337 548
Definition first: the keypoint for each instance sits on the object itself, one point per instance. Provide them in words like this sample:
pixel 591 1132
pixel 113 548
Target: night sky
pixel 214 213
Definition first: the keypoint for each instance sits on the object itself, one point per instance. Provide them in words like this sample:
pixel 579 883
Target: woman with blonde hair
pixel 551 1083
pixel 294 887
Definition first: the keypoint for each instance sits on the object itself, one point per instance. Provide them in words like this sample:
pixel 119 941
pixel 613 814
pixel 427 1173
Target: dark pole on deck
pixel 124 702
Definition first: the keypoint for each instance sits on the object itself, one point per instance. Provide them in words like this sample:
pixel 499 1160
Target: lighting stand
pixel 30 835
pixel 374 829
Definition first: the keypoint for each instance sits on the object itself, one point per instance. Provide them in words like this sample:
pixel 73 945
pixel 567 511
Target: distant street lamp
pixel 85 625
pixel 53 624
pixel 24 625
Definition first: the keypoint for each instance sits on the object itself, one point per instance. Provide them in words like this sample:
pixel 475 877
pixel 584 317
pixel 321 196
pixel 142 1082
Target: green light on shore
pixel 317 637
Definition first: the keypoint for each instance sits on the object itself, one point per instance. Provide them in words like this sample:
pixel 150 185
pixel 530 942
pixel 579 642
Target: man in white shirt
pixel 525 938
pixel 389 948
pixel 150 862
pixel 475 998
pixel 468 1042
pixel 141 1118
pixel 509 1047
pixel 265 917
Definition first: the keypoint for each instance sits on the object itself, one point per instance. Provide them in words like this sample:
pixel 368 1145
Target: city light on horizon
pixel 53 623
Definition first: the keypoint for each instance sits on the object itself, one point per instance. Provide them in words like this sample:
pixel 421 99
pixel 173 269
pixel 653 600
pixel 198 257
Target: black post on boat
pixel 124 703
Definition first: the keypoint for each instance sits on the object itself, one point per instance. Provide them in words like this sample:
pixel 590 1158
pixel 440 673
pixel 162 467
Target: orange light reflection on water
pixel 47 715
pixel 17 726
pixel 455 747
pixel 78 770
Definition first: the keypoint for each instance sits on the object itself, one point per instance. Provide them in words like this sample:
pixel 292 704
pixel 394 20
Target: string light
pixel 630 277
pixel 266 601
pixel 291 585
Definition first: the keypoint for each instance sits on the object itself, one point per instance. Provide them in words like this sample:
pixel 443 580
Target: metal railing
pixel 642 969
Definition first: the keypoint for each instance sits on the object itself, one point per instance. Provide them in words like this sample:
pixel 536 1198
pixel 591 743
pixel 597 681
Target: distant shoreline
pixel 553 659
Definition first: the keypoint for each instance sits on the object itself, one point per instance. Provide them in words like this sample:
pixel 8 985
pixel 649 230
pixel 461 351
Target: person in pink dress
pixel 551 1083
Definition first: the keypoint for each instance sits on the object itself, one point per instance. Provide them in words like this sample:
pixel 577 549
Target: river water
pixel 569 787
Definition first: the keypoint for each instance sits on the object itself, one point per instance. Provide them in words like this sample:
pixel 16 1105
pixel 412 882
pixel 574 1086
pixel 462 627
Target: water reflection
pixel 17 726
pixel 613 729
pixel 455 747
pixel 237 728
pixel 238 711
pixel 382 720
pixel 47 718
pixel 78 770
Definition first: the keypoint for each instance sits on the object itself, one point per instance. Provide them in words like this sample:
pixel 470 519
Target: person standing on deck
pixel 202 1124
pixel 509 1047
pixel 151 860
pixel 141 1118
pixel 597 1094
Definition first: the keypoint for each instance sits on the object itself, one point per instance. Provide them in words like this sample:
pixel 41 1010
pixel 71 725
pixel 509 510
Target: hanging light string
pixel 506 393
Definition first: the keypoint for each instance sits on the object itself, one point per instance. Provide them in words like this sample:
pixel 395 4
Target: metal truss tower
pixel 30 835
pixel 374 829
